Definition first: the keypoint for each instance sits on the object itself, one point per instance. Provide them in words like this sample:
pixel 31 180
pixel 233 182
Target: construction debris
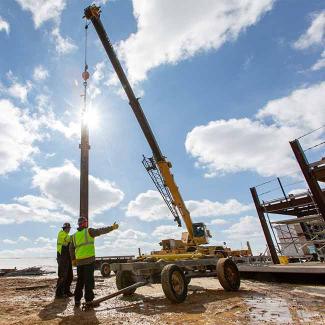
pixel 32 287
pixel 25 272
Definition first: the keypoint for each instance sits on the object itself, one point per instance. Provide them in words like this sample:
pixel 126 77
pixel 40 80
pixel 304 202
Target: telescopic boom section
pixel 93 13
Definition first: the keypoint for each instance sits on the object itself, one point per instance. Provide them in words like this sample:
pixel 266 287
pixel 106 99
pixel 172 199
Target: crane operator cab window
pixel 199 229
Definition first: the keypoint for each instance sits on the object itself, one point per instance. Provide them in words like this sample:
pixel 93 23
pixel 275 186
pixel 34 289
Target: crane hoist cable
pixel 85 73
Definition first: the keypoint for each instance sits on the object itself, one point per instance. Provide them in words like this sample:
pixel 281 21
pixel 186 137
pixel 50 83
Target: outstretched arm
pixel 102 231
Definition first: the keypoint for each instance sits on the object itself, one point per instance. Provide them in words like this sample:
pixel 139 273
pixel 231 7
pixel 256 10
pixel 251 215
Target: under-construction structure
pixel 301 234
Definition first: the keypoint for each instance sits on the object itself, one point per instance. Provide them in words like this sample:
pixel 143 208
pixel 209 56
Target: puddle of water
pixel 278 311
pixel 269 310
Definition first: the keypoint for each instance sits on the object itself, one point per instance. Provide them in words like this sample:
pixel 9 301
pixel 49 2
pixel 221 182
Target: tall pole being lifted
pixel 84 144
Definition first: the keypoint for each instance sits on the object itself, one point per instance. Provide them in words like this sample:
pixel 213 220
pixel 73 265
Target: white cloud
pixel 9 242
pixel 297 191
pixel 43 10
pixel 315 34
pixel 45 240
pixel 17 137
pixel 49 120
pixel 62 45
pixel 16 89
pixel 69 130
pixel 247 228
pixel 320 64
pixel 218 222
pixel 14 242
pixel 40 73
pixel 4 25
pixel 61 184
pixel 126 242
pixel 206 208
pixel 20 91
pixel 96 81
pixel 303 108
pixel 37 202
pixel 50 10
pixel 43 251
pixel 99 71
pixel 149 206
pixel 18 213
pixel 170 31
pixel 239 145
pixel 167 232
pixel 259 144
pixel 93 91
pixel 130 234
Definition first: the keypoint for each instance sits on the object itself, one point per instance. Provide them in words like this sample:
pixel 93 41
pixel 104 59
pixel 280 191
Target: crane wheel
pixel 105 270
pixel 228 274
pixel 124 279
pixel 174 283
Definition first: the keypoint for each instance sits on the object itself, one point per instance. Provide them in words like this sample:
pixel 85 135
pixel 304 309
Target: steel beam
pixel 265 228
pixel 311 180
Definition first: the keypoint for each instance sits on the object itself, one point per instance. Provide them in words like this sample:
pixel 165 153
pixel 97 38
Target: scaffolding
pixel 304 235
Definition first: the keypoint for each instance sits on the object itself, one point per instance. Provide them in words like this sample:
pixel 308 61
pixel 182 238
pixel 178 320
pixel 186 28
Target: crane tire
pixel 228 274
pixel 105 270
pixel 174 283
pixel 124 279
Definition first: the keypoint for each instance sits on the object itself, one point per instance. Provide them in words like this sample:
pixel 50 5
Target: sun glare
pixel 91 118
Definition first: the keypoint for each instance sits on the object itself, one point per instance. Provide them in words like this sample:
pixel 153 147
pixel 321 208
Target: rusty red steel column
pixel 311 180
pixel 267 234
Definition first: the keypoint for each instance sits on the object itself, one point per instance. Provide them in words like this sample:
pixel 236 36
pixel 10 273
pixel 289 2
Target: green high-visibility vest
pixel 63 240
pixel 84 244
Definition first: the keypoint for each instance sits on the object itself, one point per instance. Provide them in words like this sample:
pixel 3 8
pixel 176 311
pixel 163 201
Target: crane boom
pixel 93 13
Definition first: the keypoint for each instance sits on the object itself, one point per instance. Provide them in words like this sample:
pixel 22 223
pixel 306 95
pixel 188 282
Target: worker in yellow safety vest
pixel 65 274
pixel 82 251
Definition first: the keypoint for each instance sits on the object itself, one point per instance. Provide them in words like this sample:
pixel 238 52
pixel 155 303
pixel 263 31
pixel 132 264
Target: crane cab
pixel 200 233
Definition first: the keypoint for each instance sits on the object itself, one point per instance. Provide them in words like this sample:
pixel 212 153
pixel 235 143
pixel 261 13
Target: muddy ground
pixel 207 303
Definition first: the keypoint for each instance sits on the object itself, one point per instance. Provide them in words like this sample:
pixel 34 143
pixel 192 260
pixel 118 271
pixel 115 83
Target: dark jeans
pixel 65 275
pixel 85 280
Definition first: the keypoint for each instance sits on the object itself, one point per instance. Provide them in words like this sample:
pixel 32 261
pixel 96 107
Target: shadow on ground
pixel 195 303
pixel 56 309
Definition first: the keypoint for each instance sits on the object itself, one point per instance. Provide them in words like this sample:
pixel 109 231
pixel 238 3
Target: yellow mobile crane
pixel 158 167
pixel 179 260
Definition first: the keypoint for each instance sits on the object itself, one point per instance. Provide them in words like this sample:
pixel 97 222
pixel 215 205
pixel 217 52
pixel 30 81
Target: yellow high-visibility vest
pixel 84 244
pixel 63 240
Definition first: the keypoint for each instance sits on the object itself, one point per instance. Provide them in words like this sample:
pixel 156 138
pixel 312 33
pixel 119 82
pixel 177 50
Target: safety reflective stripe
pixel 87 242
pixel 83 244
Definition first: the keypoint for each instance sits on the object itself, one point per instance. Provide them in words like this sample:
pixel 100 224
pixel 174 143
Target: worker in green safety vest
pixel 82 251
pixel 65 274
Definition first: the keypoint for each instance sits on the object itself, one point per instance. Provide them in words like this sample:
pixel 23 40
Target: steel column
pixel 310 178
pixel 265 228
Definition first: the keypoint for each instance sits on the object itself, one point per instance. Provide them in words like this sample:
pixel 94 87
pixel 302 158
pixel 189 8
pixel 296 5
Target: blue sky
pixel 225 86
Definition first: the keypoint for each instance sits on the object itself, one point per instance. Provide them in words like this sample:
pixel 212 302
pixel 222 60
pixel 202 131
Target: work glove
pixel 114 226
pixel 74 263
